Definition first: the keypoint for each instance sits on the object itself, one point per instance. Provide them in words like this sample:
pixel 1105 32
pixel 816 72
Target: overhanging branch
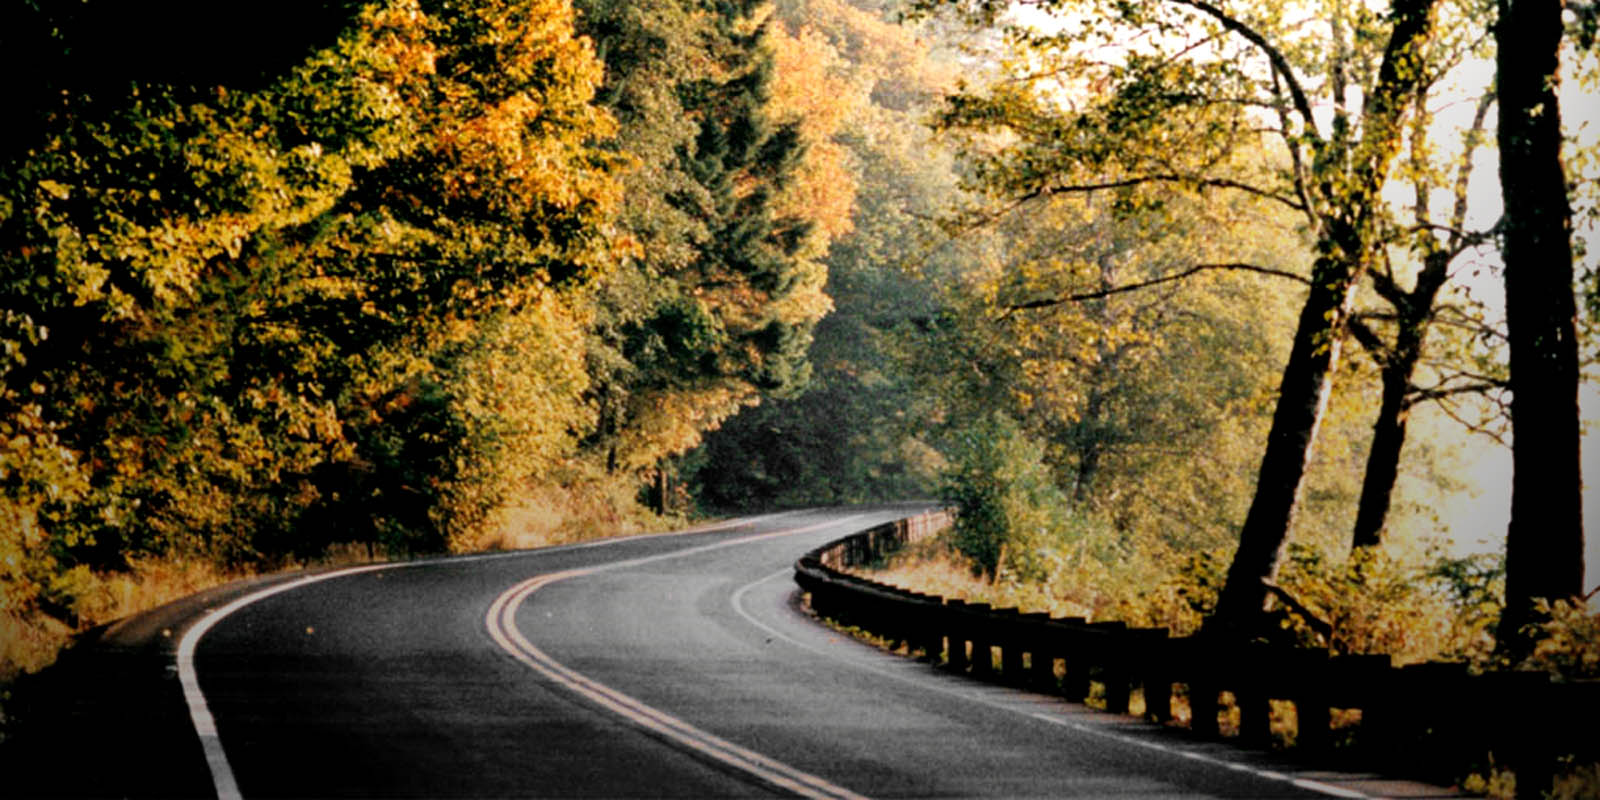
pixel 1133 287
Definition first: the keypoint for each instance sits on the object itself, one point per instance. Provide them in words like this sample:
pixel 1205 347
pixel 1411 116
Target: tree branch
pixel 1128 183
pixel 1469 145
pixel 1317 623
pixel 1419 395
pixel 1368 339
pixel 1280 64
pixel 1133 287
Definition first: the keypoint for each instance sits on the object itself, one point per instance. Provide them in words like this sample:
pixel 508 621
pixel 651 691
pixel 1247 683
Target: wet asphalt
pixel 392 683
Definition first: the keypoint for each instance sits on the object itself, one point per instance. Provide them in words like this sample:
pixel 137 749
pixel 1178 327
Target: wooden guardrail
pixel 1430 720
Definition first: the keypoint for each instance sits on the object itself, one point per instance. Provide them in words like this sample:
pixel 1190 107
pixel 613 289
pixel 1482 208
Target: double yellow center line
pixel 501 622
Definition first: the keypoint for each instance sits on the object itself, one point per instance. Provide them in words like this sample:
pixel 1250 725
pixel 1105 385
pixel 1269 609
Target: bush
pixel 1013 516
pixel 1566 641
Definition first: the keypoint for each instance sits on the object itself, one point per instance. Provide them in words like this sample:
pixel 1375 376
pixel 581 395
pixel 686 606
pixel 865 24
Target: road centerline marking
pixel 501 623
pixel 205 724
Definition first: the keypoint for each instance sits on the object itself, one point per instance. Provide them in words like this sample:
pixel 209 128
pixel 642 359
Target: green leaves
pixel 271 300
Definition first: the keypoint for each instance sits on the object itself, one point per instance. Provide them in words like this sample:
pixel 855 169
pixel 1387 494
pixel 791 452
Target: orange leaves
pixel 811 87
pixel 401 31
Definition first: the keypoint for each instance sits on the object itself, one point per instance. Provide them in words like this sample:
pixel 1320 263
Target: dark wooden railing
pixel 1431 720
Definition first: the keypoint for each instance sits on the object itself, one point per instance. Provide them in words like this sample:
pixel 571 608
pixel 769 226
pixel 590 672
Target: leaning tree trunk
pixel 1383 457
pixel 1544 542
pixel 1389 430
pixel 1347 238
pixel 1302 398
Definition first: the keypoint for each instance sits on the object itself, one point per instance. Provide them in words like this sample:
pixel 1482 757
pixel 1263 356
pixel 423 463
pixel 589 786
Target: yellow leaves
pixel 56 189
pixel 670 422
pixel 402 44
pixel 808 87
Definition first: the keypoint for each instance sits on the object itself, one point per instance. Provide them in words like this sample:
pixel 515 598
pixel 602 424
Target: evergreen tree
pixel 715 307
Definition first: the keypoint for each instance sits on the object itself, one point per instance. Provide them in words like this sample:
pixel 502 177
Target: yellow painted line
pixel 205 724
pixel 501 622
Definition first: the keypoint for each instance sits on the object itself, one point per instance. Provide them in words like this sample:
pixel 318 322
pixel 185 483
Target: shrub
pixel 1012 513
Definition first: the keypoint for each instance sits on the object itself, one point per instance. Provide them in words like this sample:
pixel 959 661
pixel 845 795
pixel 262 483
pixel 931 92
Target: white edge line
pixel 1271 775
pixel 501 622
pixel 205 725
pixel 737 600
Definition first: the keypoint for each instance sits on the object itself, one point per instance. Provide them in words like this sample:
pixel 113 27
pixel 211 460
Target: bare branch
pixel 1444 405
pixel 1280 64
pixel 1417 396
pixel 1172 178
pixel 1133 287
pixel 1296 159
pixel 1469 145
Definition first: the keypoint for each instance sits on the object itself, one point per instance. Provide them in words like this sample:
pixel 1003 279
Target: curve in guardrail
pixel 1431 719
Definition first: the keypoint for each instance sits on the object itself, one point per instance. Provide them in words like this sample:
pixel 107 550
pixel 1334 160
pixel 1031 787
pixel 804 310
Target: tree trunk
pixel 1544 542
pixel 1347 238
pixel 1383 458
pixel 1413 309
pixel 1090 442
pixel 1302 398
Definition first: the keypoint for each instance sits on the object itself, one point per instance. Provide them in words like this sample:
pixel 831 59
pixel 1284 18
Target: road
pixel 657 666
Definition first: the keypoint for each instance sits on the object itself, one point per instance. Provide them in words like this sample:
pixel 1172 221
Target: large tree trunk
pixel 1302 398
pixel 1544 543
pixel 1346 241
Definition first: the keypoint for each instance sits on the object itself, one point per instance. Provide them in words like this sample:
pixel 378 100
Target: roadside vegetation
pixel 399 278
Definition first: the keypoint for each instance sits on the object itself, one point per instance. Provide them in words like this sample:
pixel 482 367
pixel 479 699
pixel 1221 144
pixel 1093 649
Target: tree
pixel 1544 543
pixel 1204 66
pixel 854 434
pixel 716 306
pixel 1413 311
pixel 234 299
pixel 1146 399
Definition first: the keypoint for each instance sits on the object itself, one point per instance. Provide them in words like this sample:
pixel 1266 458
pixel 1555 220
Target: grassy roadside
pixel 540 517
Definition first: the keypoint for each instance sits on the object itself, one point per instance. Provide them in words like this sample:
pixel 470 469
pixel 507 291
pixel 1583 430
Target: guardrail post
pixel 1113 653
pixel 1202 686
pixel 929 635
pixel 1312 712
pixel 1149 667
pixel 1520 732
pixel 1075 654
pixel 1425 715
pixel 1362 681
pixel 1041 652
pixel 1011 647
pixel 982 638
pixel 1262 667
pixel 956 630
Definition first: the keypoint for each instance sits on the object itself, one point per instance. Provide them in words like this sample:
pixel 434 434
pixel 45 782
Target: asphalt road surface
pixel 658 666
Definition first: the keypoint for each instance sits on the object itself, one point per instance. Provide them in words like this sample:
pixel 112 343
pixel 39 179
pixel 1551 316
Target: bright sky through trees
pixel 1478 513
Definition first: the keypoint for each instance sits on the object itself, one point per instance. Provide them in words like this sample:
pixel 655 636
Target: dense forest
pixel 1173 299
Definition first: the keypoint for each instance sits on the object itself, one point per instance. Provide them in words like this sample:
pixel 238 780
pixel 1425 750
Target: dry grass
pixel 932 567
pixel 30 642
pixel 552 515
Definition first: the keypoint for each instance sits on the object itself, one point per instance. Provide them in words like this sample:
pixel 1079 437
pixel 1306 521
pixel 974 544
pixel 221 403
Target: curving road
pixel 656 666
